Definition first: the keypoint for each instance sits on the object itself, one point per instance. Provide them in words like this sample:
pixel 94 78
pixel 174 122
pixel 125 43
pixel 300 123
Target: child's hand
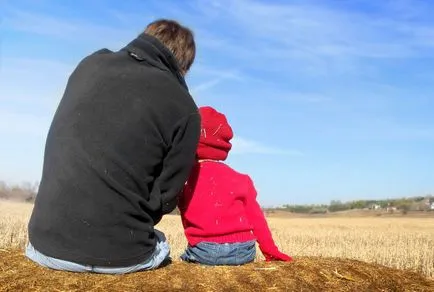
pixel 277 256
pixel 271 253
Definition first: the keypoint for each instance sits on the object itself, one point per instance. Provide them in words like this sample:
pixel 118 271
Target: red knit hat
pixel 215 135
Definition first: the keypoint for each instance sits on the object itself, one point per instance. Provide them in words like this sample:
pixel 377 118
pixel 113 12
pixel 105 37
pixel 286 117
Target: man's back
pixel 101 191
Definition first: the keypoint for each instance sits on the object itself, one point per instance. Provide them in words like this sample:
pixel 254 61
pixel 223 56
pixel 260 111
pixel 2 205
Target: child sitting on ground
pixel 222 219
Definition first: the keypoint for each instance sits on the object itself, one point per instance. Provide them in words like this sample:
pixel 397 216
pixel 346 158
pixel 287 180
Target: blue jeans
pixel 218 254
pixel 160 255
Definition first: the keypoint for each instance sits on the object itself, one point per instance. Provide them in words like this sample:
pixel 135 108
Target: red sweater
pixel 219 205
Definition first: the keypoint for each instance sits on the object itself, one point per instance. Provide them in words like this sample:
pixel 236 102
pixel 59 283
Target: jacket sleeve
pixel 257 219
pixel 178 162
pixel 260 227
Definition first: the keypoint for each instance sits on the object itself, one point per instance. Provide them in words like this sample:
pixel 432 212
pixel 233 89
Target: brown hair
pixel 177 38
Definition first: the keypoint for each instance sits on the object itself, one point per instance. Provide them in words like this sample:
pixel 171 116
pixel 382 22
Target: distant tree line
pixel 26 192
pixel 420 203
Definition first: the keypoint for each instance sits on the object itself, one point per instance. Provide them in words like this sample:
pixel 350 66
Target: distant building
pixel 428 203
pixel 391 209
pixel 374 207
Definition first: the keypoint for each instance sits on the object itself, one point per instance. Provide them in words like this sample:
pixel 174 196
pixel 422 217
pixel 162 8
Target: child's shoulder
pixel 223 167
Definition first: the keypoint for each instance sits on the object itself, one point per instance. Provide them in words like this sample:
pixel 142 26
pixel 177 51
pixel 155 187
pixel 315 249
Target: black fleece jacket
pixel 119 149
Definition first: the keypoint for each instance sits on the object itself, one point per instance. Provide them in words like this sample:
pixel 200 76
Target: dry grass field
pixel 404 243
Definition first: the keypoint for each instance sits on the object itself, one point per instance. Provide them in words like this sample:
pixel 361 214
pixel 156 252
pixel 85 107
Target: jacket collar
pixel 149 49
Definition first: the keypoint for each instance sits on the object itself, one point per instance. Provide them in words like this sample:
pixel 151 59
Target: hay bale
pixel 304 274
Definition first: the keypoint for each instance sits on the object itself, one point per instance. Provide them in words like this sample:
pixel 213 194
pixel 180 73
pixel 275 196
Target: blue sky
pixel 328 99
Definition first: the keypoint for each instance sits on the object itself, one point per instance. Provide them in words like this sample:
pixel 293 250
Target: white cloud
pixel 329 31
pixel 310 35
pixel 246 146
pixel 295 38
pixel 320 39
pixel 23 124
pixel 212 77
pixel 72 30
pixel 33 83
pixel 300 97
pixel 205 86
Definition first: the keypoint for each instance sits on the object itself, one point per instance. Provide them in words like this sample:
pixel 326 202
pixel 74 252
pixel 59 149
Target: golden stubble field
pixel 401 242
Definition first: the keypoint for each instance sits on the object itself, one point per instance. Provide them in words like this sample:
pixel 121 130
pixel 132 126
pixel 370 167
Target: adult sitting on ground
pixel 118 152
